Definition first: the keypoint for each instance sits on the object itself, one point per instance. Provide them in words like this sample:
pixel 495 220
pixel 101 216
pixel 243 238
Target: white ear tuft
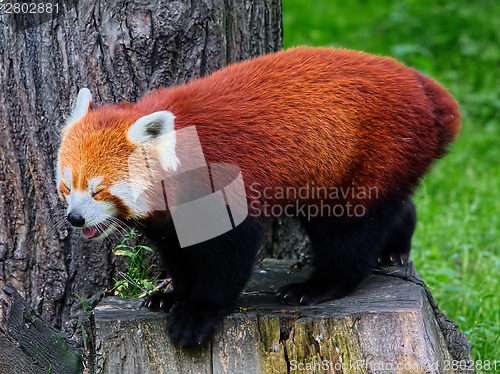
pixel 157 131
pixel 151 127
pixel 81 107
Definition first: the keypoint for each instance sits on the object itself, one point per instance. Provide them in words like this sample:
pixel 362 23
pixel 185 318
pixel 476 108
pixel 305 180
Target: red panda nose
pixel 76 219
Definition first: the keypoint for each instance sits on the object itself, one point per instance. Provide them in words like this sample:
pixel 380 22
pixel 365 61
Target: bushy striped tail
pixel 446 112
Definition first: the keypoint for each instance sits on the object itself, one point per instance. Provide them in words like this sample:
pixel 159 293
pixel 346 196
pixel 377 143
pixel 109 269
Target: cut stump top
pixel 386 325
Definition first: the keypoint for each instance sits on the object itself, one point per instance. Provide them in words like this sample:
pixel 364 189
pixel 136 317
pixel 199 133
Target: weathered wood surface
pixel 388 323
pixel 28 345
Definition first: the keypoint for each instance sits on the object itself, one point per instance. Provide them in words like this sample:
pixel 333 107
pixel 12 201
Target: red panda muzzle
pixel 89 232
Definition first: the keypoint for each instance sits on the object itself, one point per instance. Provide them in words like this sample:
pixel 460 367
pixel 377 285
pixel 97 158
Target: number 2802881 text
pixel 9 7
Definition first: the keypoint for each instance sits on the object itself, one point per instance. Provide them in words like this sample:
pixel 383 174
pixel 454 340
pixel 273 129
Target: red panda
pixel 331 121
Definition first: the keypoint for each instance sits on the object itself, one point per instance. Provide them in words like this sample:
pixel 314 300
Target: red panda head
pixel 107 162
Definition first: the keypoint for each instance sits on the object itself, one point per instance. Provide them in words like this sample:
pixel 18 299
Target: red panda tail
pixel 446 112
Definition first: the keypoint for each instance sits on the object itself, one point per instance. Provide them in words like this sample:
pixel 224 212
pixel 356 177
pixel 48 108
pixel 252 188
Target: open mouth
pixel 101 229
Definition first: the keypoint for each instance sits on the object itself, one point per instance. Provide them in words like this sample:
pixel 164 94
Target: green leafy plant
pixel 85 304
pixel 135 281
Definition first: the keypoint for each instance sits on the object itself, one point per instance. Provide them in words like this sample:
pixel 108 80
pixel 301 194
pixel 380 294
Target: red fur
pixel 332 117
pixel 328 116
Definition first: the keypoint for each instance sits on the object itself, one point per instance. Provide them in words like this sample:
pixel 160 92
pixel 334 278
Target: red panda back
pixel 326 116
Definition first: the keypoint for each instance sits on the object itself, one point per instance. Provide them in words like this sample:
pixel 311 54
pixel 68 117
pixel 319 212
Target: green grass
pixel 456 247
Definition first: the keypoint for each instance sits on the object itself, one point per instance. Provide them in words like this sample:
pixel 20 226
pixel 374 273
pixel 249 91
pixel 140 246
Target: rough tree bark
pixel 120 49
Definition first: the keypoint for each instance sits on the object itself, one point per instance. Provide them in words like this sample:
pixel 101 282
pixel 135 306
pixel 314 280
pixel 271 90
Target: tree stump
pixel 388 325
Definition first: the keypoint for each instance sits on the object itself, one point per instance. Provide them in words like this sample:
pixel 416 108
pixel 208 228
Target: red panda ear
pixel 157 131
pixel 82 106
pixel 151 127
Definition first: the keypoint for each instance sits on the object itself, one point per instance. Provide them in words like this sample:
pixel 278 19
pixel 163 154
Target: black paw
pixel 192 323
pixel 310 293
pixel 160 300
pixel 393 259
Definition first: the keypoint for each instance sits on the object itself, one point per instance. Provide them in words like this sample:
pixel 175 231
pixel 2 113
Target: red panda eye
pixel 64 189
pixel 96 192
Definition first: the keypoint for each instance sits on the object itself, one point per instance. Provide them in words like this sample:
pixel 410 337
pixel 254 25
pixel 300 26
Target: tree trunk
pixel 120 50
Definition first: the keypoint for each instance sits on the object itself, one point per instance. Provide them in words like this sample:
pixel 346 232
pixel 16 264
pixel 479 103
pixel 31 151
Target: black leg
pixel 219 267
pixel 345 250
pixel 396 249
pixel 343 257
pixel 177 262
